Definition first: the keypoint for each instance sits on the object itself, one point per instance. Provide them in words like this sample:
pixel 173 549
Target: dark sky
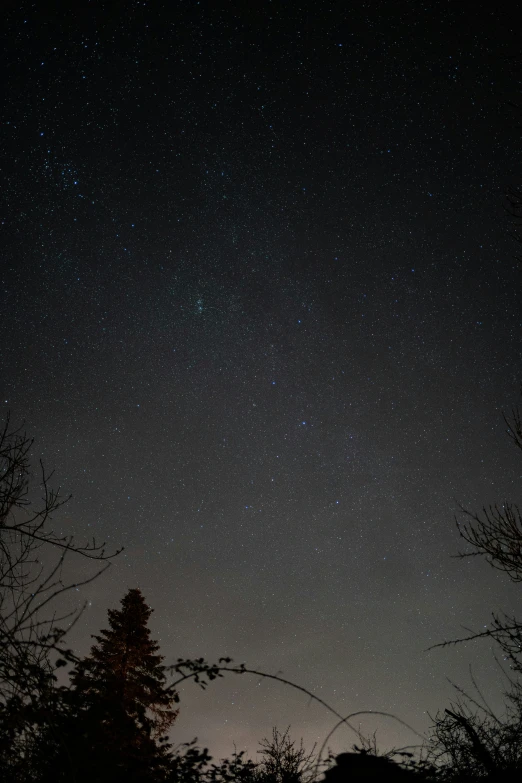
pixel 261 311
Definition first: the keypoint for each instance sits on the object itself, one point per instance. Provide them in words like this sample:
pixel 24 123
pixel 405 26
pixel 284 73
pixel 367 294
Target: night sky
pixel 260 308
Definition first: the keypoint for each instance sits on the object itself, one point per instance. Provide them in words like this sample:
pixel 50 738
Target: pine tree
pixel 124 704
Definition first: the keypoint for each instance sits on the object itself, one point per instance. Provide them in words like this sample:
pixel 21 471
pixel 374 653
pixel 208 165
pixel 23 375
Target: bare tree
pixel 30 625
pixel 495 533
pixel 32 582
pixel 469 738
pixel 470 742
pixel 282 761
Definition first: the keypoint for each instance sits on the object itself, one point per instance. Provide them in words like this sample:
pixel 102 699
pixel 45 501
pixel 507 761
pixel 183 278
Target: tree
pixel 26 587
pixel 32 628
pixel 495 533
pixel 282 761
pixel 122 704
pixel 468 740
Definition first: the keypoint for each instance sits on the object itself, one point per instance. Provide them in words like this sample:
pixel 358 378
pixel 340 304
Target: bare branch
pixel 30 627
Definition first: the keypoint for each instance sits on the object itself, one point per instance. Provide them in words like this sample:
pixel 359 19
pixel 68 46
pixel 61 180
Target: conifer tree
pixel 124 704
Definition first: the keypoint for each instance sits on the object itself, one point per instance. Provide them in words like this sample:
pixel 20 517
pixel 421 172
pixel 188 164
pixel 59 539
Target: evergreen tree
pixel 123 705
pixel 125 671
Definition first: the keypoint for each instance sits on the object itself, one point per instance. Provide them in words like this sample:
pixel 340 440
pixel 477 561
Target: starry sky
pixel 261 312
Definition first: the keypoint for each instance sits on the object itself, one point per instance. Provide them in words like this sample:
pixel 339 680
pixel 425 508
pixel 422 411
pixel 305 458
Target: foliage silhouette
pixel 283 761
pixel 469 741
pixel 119 706
pixel 124 672
pixel 110 723
pixel 32 629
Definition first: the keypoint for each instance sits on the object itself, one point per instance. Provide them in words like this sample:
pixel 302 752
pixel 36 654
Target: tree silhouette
pixel 469 738
pixel 495 533
pixel 122 704
pixel 125 671
pixel 32 627
pixel 28 620
pixel 282 761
